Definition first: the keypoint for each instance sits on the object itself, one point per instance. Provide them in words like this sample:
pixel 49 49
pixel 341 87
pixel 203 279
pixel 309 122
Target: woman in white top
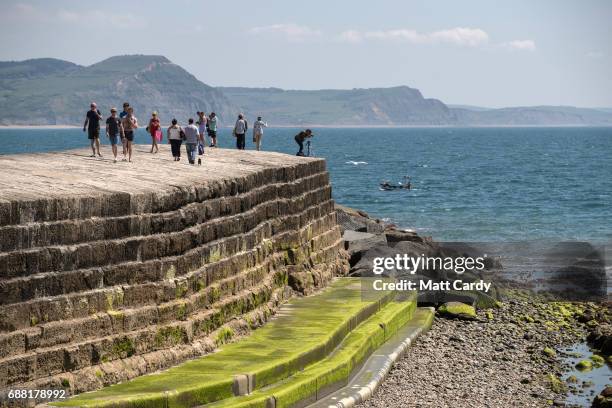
pixel 175 138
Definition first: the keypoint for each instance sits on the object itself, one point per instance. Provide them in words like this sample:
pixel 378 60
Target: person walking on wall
pixel 240 129
pixel 154 129
pixel 130 124
pixel 258 132
pixel 114 129
pixel 202 126
pixel 192 138
pixel 212 129
pixel 299 139
pixel 122 115
pixel 92 124
pixel 175 138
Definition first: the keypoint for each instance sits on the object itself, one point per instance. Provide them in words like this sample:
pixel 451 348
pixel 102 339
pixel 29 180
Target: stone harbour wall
pixel 112 270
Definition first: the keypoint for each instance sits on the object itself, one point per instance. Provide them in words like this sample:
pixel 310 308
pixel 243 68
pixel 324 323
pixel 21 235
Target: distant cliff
pixel 375 106
pixel 48 91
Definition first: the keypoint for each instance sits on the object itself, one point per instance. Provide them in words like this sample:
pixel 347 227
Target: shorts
pixel 114 139
pixel 93 133
pixel 129 135
pixel 212 133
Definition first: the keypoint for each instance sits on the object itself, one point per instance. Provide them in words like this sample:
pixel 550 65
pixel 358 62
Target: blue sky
pixel 488 53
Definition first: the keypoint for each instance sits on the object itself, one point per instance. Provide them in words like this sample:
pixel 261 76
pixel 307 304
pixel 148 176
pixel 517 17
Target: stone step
pixel 178 301
pixel 317 325
pixel 46 361
pixel 100 253
pixel 203 271
pixel 334 371
pixel 155 269
pixel 82 201
pixel 56 283
pixel 69 232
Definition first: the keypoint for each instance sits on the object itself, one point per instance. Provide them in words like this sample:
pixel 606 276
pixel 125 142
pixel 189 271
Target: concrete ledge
pixel 363 385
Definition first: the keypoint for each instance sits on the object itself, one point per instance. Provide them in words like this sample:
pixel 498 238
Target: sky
pixel 473 52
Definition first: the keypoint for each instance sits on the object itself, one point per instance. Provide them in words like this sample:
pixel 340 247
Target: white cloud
pixel 290 31
pixel 469 37
pixel 520 45
pixel 461 36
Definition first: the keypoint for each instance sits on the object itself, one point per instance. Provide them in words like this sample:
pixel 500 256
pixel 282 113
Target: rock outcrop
pixel 110 271
pixel 367 238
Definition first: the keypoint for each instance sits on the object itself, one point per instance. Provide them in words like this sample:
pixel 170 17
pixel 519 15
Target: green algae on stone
pixel 304 331
pixel 337 368
pixel 584 365
pixel 555 384
pixel 457 310
pixel 598 361
pixel 224 335
pixel 549 352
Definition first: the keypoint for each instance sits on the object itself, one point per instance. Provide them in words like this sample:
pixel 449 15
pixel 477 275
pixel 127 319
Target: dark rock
pixel 601 338
pixel 604 399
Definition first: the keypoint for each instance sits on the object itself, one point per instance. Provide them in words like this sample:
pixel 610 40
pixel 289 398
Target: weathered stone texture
pixel 141 264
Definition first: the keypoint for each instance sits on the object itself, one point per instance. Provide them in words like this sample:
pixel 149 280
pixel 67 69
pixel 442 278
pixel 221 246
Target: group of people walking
pixel 120 130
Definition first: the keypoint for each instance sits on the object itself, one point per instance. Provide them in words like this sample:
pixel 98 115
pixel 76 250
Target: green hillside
pixel 61 93
pixel 49 91
pixel 375 106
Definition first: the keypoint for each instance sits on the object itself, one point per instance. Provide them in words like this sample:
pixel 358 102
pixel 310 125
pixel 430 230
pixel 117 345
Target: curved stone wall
pixel 104 278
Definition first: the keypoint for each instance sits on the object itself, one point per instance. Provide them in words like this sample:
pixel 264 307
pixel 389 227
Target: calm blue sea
pixel 469 184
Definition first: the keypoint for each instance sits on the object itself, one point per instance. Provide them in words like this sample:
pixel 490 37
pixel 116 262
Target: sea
pixel 482 184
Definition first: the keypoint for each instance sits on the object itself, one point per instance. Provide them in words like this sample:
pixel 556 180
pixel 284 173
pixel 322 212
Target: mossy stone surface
pixel 457 310
pixel 305 331
pixel 336 368
pixel 584 365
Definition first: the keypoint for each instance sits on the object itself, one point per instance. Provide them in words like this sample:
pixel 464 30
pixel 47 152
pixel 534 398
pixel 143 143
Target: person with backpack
pixel 175 138
pixel 114 129
pixel 258 132
pixel 92 124
pixel 154 129
pixel 240 129
pixel 299 139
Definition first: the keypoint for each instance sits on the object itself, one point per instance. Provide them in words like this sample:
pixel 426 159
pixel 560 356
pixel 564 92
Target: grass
pixel 305 331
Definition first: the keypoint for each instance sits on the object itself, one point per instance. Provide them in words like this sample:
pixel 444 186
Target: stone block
pixel 12 344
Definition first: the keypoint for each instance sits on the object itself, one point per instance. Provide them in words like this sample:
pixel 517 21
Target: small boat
pixel 401 185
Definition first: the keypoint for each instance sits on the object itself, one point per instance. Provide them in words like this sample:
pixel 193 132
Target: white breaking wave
pixel 356 163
